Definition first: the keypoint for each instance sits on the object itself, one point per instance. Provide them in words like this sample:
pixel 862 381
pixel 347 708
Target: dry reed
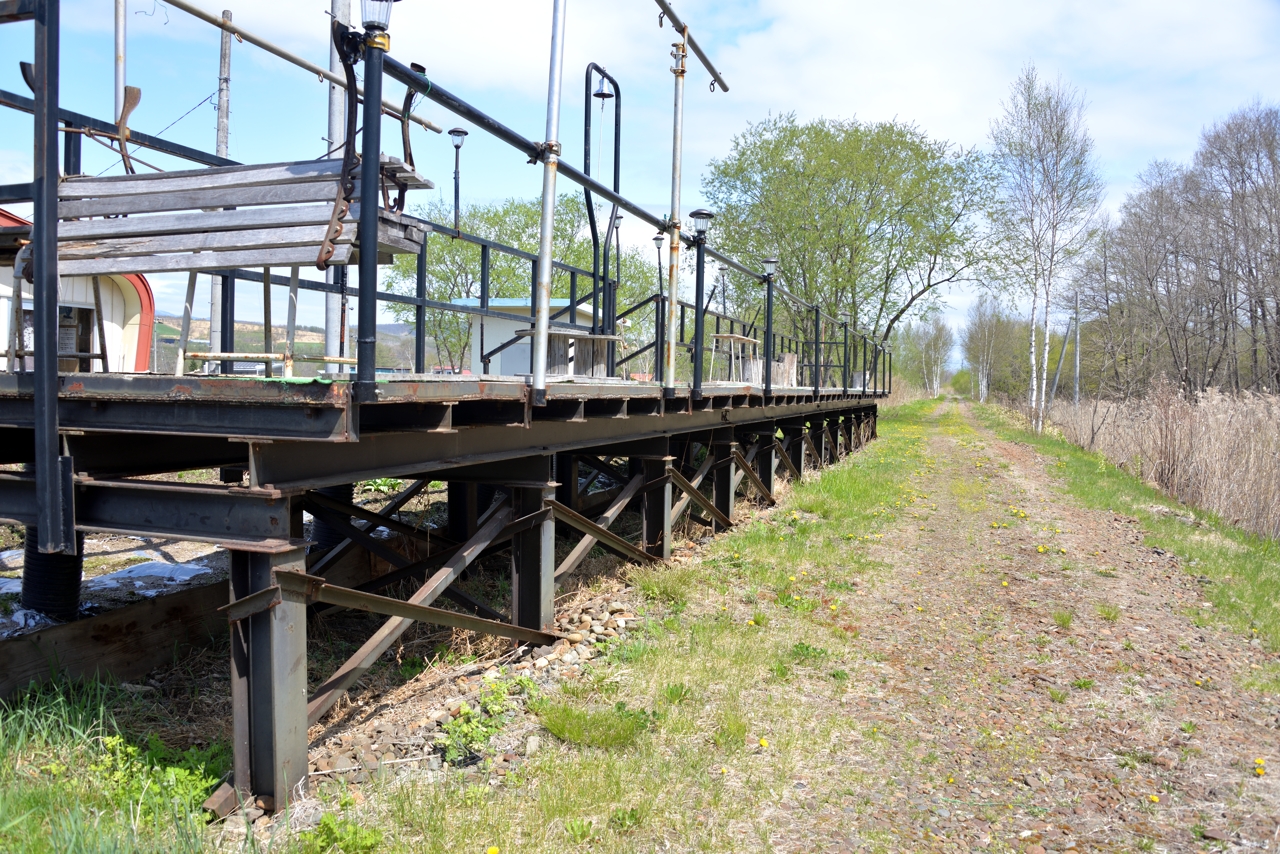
pixel 1214 451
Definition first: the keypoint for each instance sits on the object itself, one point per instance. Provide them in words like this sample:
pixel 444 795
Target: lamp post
pixel 770 267
pixel 701 220
pixel 376 16
pixel 459 136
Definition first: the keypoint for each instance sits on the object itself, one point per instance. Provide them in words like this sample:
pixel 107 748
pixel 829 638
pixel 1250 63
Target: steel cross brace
pixel 607 538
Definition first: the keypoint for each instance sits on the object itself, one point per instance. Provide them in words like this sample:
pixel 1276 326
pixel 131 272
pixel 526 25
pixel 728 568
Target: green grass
pixel 614 728
pixel 1108 612
pixel 1063 619
pixel 70 781
pixel 1245 568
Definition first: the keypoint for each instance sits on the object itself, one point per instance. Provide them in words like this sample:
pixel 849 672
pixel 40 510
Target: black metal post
pixel 658 337
pixel 889 372
pixel 844 362
pixel 55 535
pixel 699 326
pixel 227 367
pixel 817 348
pixel 370 189
pixel 70 150
pixel 573 298
pixel 420 315
pixel 484 301
pixel 457 191
pixel 768 335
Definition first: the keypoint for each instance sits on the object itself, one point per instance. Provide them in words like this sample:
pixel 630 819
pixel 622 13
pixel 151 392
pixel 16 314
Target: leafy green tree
pixel 869 220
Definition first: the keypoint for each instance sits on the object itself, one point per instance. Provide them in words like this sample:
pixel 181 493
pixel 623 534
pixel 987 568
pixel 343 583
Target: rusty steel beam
pixel 786 460
pixel 317 590
pixel 584 546
pixel 744 466
pixel 354 667
pixel 608 539
pixel 698 498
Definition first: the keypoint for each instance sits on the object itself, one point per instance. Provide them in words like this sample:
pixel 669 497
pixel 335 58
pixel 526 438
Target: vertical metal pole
pixel 334 316
pixel 844 362
pixel 70 152
pixel 371 148
pixel 1075 399
pixel 122 19
pixel 53 527
pixel 216 283
pixel 546 227
pixel 659 336
pixel 573 298
pixel 817 349
pixel 457 189
pixel 420 315
pixel 484 301
pixel 673 268
pixel 241 714
pixel 656 508
pixel 699 326
pixel 768 336
pixel 227 310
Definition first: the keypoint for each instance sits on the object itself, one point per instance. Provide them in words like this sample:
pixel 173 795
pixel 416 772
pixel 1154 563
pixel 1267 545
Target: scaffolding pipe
pixel 121 32
pixel 673 221
pixel 546 227
pixel 322 73
pixel 333 314
pixel 693 45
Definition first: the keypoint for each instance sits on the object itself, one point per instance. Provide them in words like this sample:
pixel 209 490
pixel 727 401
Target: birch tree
pixel 1049 192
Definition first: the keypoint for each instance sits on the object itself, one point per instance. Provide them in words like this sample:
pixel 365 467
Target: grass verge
pixel 695 747
pixel 1243 568
pixel 70 781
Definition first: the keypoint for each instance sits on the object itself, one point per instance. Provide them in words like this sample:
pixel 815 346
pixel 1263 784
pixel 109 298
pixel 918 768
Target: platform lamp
pixel 376 16
pixel 659 239
pixel 459 136
pixel 770 267
pixel 701 222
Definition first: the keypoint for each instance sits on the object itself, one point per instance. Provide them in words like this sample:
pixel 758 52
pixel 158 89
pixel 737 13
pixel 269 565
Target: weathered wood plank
pixel 201 179
pixel 179 223
pixel 200 241
pixel 300 256
pixel 126 643
pixel 234 197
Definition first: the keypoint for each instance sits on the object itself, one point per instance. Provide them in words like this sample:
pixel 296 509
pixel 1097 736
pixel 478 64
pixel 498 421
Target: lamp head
pixel 701 221
pixel 458 135
pixel 376 14
pixel 658 239
pixel 770 266
pixel 603 90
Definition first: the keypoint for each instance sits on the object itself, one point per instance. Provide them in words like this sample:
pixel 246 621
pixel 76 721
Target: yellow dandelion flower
pixel 492 849
pixel 833 607
pixel 1004 584
pixel 1259 762
pixel 751 622
pixel 724 770
pixel 795 596
pixel 951 779
pixel 764 742
pixel 1155 799
pixel 793 578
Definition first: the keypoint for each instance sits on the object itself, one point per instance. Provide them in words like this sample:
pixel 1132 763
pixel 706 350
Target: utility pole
pixel 224 131
pixel 1077 392
pixel 334 316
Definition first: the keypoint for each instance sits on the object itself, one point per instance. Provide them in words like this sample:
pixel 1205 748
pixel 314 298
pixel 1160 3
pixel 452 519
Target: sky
pixel 1154 75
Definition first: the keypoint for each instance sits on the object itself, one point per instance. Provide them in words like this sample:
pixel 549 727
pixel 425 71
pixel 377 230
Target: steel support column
pixel 464 510
pixel 533 559
pixel 795 449
pixel 269 682
pixel 566 476
pixel 722 447
pixel 766 461
pixel 656 510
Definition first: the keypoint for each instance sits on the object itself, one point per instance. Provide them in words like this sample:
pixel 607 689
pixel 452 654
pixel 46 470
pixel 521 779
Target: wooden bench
pixel 274 215
pixel 590 356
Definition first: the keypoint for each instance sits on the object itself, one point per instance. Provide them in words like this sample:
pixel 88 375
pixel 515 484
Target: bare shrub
pixel 1214 451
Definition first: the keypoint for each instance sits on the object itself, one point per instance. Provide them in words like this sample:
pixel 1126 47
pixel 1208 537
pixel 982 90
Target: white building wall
pixel 121 312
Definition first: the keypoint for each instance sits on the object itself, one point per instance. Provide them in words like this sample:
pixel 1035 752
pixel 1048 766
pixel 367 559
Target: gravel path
pixel 1041 657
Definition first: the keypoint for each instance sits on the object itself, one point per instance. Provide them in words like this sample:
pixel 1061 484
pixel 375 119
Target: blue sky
pixel 1154 74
